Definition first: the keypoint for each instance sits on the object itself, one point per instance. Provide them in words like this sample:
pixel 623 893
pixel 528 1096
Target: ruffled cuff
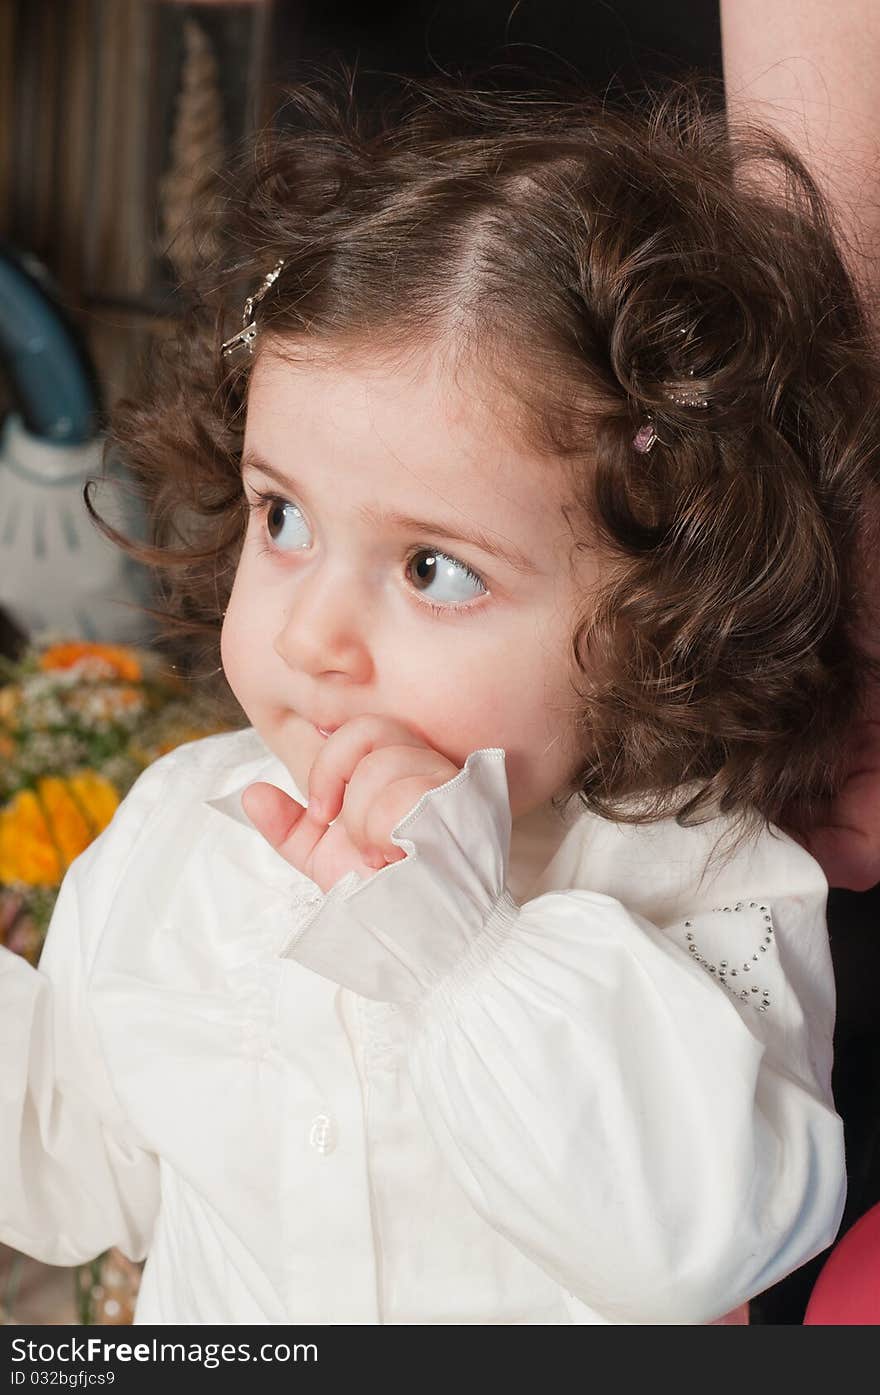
pixel 398 934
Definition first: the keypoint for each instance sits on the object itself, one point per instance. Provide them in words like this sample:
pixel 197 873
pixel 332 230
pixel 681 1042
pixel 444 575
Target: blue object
pixel 50 372
pixel 59 576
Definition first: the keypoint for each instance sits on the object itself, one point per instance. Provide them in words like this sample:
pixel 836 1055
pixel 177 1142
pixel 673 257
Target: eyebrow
pixel 506 552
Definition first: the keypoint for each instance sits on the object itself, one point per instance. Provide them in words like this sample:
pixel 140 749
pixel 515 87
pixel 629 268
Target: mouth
pixel 324 731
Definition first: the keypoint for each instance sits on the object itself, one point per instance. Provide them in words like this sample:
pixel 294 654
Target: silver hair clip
pixel 646 437
pixel 687 397
pixel 248 332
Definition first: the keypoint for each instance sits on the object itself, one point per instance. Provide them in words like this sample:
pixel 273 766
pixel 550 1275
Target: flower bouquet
pixel 78 723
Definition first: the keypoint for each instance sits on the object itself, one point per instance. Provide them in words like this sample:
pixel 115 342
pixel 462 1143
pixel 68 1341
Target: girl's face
pixel 404 557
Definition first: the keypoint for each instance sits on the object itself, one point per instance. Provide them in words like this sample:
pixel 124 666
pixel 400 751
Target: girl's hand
pixel 368 774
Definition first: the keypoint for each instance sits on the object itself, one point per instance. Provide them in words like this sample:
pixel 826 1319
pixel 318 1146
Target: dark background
pixel 613 45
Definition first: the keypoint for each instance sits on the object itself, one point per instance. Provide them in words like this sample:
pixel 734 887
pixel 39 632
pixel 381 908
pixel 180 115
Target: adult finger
pixel 849 857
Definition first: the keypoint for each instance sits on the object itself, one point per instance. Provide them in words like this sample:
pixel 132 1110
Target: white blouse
pixel 559 1074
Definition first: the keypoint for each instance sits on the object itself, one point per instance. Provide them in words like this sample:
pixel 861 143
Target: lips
pixel 325 728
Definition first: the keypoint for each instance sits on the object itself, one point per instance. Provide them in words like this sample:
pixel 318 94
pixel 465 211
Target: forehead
pixel 424 434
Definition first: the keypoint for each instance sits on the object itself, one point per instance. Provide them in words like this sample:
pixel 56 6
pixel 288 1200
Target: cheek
pixel 242 644
pixel 227 649
pixel 527 703
pixel 462 696
pixel 229 653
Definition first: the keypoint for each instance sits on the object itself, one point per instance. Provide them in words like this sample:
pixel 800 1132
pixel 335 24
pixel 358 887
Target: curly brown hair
pixel 611 267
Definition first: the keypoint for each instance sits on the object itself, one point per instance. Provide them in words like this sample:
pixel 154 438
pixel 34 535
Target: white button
pixel 322 1134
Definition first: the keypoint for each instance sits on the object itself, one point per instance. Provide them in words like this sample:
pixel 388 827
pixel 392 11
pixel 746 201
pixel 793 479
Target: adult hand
pixel 366 777
pixel 846 842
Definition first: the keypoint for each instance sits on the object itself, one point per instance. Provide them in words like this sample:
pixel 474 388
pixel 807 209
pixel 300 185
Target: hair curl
pixel 600 262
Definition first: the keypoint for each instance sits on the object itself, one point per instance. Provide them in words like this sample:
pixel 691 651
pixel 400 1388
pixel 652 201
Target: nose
pixel 323 629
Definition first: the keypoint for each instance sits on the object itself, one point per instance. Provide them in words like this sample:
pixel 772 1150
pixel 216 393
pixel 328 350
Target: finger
pixel 849 857
pixel 384 788
pixel 397 800
pixel 376 860
pixel 864 748
pixel 284 823
pixel 341 754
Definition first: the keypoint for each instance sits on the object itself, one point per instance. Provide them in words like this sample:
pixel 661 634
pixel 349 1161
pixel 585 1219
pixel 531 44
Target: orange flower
pixel 118 661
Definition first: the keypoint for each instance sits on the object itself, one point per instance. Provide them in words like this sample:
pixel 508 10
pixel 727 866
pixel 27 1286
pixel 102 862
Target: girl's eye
pixel 286 525
pixel 442 578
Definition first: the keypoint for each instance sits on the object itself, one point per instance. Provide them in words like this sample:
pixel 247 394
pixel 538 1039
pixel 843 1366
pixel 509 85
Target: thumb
pixel 849 857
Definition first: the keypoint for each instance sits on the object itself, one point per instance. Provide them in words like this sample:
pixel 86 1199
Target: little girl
pixel 473 981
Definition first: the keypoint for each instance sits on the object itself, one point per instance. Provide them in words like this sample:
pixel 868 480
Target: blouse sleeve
pixel 74 1178
pixel 612 1096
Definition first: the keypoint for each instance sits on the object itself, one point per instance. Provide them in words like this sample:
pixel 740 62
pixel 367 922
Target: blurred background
pixel 113 115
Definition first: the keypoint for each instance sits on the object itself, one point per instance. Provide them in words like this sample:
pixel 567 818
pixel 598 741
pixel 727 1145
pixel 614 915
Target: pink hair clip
pixel 645 438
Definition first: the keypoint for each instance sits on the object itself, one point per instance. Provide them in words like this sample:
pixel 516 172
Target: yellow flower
pixel 117 661
pixel 42 831
pixel 70 831
pixel 27 852
pixel 97 797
